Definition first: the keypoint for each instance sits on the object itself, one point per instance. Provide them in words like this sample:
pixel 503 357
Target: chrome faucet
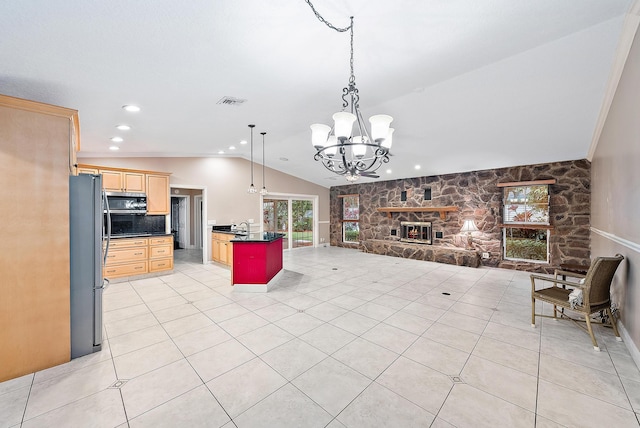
pixel 248 229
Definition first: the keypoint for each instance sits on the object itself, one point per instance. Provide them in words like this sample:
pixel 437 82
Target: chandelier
pixel 339 150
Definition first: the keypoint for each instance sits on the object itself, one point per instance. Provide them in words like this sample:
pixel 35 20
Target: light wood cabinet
pixel 122 181
pixel 127 257
pixel 157 194
pixel 160 254
pixel 135 256
pixel 154 184
pixel 88 170
pixel 40 139
pixel 221 248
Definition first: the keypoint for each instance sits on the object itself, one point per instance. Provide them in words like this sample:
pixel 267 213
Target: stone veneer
pixel 477 196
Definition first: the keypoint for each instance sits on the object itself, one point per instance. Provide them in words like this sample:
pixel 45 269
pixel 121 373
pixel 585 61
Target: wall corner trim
pixel 629 28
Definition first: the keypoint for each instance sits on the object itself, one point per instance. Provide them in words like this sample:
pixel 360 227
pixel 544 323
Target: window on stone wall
pixel 526 227
pixel 350 218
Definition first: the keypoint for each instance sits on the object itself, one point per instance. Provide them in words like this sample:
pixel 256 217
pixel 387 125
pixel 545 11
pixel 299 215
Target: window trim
pixel 527 224
pixel 343 220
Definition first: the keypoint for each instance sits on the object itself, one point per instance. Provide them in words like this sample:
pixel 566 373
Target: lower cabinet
pixel 136 256
pixel 160 254
pixel 221 248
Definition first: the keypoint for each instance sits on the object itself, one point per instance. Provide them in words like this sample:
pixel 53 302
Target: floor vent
pixel 118 384
pixel 231 101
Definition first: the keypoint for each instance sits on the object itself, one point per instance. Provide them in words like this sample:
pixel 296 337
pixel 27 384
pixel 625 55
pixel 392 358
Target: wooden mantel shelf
pixel 442 210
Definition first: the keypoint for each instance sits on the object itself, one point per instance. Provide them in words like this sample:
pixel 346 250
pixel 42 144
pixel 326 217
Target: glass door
pixel 276 218
pixel 291 217
pixel 302 223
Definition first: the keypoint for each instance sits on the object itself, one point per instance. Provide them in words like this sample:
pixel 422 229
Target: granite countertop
pixel 139 235
pixel 259 237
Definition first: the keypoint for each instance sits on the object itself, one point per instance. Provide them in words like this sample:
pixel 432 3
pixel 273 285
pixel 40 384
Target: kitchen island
pixel 257 260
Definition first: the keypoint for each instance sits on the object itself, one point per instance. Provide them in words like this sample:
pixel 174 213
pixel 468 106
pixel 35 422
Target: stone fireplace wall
pixel 477 196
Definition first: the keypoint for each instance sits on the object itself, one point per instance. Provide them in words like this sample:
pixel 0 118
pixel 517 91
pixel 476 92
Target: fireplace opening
pixel 415 231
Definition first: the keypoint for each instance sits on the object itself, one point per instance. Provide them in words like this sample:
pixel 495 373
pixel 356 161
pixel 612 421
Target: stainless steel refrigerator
pixel 86 207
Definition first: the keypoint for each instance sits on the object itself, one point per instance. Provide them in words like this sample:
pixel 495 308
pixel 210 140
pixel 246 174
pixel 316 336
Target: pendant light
pixel 252 188
pixel 263 191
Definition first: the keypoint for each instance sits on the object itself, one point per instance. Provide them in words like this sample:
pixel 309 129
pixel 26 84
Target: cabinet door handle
pixel 111 271
pixel 138 267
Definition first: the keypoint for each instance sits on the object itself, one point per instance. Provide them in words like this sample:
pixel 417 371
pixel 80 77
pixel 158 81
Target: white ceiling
pixel 471 84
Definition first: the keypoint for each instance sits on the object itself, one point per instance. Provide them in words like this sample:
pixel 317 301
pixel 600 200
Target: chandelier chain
pixel 327 23
pixel 352 78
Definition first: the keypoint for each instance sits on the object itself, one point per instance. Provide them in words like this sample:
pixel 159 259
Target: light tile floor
pixel 346 339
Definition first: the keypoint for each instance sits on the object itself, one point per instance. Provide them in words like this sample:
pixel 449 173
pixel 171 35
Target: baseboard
pixel 629 343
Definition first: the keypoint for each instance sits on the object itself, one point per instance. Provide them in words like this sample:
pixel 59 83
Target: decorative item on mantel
pixel 468 227
pixel 340 152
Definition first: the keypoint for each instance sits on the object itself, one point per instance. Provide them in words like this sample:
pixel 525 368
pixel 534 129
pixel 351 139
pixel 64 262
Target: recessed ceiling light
pixel 284 159
pixel 388 171
pixel 114 148
pixel 243 142
pixel 123 127
pixel 232 147
pixel 117 139
pixel 221 152
pixel 417 167
pixel 131 108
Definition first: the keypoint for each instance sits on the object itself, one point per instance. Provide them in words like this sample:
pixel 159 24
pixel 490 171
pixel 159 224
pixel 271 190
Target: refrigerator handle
pixel 106 205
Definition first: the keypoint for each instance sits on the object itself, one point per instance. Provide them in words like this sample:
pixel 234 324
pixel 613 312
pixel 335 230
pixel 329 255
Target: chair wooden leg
pixel 593 338
pixel 555 312
pixel 613 324
pixel 533 312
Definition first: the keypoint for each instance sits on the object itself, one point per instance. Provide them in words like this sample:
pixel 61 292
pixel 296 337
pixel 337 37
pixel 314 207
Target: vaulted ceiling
pixel 471 84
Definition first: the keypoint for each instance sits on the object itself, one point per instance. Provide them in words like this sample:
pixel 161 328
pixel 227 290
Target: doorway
pixel 294 217
pixel 180 221
pixel 189 227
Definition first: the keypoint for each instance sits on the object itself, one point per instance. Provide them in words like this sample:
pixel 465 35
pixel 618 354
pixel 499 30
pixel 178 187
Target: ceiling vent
pixel 231 101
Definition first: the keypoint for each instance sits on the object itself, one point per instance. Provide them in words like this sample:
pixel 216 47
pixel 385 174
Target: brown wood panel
pixel 112 180
pixel 527 183
pixel 131 242
pixel 34 257
pixel 126 269
pixel 160 241
pixel 157 194
pixel 134 182
pixel 126 255
pixel 160 251
pixel 160 265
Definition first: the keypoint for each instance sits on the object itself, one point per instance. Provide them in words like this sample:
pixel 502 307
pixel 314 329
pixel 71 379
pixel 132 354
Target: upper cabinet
pixel 157 194
pixel 122 181
pixel 154 184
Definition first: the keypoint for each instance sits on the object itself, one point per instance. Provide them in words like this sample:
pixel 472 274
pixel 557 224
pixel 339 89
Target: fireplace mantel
pixel 442 210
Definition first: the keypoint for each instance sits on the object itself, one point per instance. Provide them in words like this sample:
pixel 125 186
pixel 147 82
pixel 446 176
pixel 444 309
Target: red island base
pixel 256 262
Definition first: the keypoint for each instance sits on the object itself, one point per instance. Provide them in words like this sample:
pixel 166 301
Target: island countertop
pixel 258 237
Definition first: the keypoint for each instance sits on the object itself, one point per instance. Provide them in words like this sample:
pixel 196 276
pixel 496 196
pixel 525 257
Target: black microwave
pixel 126 203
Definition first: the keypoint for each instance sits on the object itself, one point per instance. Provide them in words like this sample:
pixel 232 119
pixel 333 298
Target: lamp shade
pixel 469 226
pixel 319 133
pixel 359 149
pixel 343 124
pixel 380 126
pixel 386 143
pixel 331 146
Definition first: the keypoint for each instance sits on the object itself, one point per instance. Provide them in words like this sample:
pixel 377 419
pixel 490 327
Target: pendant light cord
pixel 251 127
pixel 264 161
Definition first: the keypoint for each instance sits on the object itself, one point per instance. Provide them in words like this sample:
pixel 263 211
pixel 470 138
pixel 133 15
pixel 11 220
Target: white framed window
pixel 350 218
pixel 526 228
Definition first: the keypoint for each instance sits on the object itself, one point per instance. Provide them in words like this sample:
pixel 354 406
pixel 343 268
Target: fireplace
pixel 415 231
